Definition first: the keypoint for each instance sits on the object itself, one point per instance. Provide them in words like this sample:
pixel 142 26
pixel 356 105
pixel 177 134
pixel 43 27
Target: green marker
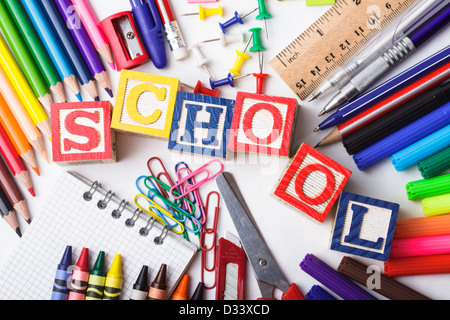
pixel 428 188
pixel 97 279
pixel 263 15
pixel 435 164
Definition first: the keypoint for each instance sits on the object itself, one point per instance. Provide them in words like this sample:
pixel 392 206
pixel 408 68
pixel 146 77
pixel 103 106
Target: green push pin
pixel 263 15
pixel 257 46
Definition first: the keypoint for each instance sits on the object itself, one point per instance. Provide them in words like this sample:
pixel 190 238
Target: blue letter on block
pixel 364 226
pixel 201 124
pixel 212 125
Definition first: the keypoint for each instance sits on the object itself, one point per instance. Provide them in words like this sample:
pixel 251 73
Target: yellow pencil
pixel 23 89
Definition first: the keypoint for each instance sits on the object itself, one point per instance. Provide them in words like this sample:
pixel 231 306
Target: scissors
pixel 267 273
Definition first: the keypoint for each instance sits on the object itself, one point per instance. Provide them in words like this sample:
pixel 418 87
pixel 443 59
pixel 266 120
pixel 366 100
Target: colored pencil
pixel 13 192
pixel 15 134
pixel 21 115
pixel 91 23
pixel 8 213
pixel 54 48
pixel 24 58
pixel 398 99
pixel 37 48
pixel 82 70
pixel 85 44
pixel 21 86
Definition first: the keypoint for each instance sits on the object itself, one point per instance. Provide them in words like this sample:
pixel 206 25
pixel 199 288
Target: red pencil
pixel 14 161
pixel 395 101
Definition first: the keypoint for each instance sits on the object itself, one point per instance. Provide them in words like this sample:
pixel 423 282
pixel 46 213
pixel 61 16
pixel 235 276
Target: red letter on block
pixel 263 124
pixel 312 183
pixel 91 134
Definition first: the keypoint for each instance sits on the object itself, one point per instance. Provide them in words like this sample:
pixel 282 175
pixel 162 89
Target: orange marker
pixel 182 291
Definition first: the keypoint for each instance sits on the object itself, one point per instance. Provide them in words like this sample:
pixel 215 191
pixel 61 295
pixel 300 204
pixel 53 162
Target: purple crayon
pixel 332 279
pixel 60 290
pixel 85 44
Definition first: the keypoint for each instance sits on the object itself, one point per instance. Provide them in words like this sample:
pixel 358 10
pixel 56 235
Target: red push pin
pixel 260 77
pixel 201 89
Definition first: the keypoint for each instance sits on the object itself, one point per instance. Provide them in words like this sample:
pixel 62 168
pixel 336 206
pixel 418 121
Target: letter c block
pixel 81 132
pixel 144 104
pixel 312 183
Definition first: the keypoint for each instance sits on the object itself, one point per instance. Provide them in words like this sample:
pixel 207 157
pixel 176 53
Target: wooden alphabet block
pixel 364 226
pixel 81 132
pixel 144 104
pixel 263 124
pixel 312 183
pixel 201 125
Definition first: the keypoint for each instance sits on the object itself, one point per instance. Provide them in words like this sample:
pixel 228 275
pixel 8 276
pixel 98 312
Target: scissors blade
pixel 264 266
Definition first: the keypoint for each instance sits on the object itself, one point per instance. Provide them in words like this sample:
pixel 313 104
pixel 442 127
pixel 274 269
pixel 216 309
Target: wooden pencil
pixel 8 213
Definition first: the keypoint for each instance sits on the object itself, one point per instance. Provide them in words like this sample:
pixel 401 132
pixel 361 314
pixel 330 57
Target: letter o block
pixel 144 104
pixel 81 132
pixel 263 124
pixel 312 183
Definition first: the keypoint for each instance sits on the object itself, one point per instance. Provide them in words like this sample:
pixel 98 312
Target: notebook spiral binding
pixel 117 213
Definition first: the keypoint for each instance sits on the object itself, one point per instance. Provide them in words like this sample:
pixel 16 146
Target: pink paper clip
pixel 195 185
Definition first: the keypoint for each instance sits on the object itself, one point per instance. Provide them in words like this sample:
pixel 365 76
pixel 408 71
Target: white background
pixel 289 235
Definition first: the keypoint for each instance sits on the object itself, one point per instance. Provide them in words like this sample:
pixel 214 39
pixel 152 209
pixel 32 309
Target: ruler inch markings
pixel 323 46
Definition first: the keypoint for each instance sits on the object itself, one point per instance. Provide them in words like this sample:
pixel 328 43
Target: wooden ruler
pixel 331 40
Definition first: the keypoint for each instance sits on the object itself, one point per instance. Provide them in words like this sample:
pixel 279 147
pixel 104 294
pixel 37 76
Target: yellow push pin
pixel 242 56
pixel 206 12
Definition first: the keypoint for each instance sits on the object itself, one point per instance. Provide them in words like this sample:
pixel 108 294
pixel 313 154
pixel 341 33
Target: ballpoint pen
pixel 378 44
pixel 390 59
pixel 149 24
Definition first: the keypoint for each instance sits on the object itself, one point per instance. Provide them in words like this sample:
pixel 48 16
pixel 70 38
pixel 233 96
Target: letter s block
pixel 81 132
pixel 364 226
pixel 312 183
pixel 201 125
pixel 144 104
pixel 263 124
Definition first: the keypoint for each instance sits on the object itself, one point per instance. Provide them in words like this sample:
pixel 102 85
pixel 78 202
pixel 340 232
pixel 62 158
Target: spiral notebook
pixel 81 213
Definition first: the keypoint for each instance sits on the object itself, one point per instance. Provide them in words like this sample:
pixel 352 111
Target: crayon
pixel 158 287
pixel 97 279
pixel 141 286
pixel 114 280
pixel 199 292
pixel 181 293
pixel 80 277
pixel 60 289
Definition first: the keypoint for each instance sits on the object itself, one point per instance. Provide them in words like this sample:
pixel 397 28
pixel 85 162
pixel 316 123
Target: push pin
pixel 202 61
pixel 263 15
pixel 257 46
pixel 236 19
pixel 205 12
pixel 260 77
pixel 242 56
pixel 201 89
pixel 227 39
pixel 226 81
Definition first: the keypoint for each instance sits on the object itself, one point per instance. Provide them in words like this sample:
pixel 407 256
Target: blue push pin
pixel 229 80
pixel 236 19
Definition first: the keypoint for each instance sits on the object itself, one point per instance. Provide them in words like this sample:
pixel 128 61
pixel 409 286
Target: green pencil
pixel 36 48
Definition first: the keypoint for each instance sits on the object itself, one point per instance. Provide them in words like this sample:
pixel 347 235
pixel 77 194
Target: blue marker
pixel 422 149
pixel 60 290
pixel 403 138
pixel 149 23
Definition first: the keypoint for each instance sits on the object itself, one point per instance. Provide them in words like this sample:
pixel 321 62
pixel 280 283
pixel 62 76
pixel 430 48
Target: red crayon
pixel 80 277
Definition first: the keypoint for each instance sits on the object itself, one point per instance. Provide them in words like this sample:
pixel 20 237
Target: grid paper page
pixel 67 219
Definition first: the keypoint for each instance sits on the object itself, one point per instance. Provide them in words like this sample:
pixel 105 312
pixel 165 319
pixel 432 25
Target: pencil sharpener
pixel 128 49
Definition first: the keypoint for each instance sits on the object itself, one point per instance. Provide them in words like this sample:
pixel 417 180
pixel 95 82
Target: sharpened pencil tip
pixel 31 191
pixel 317 146
pixel 112 65
pixel 79 97
pixel 19 233
pixel 109 91
pixel 97 99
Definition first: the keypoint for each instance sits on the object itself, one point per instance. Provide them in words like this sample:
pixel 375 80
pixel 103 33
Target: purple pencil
pixel 84 43
pixel 333 280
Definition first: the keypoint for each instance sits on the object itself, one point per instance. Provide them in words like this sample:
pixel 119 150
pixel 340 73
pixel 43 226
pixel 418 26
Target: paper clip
pixel 162 173
pixel 209 231
pixel 190 187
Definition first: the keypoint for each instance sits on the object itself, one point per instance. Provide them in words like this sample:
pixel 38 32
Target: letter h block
pixel 81 132
pixel 201 125
pixel 364 226
pixel 144 104
pixel 263 124
pixel 312 183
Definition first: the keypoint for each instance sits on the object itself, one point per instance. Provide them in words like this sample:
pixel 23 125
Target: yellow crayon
pixel 114 280
pixel 11 69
